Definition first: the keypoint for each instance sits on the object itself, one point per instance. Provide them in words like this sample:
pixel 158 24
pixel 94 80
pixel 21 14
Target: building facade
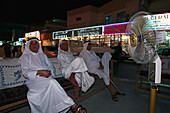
pixel 112 12
pixel 115 11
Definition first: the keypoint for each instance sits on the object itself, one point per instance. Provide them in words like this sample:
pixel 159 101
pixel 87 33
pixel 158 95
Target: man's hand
pixel 101 66
pixel 44 73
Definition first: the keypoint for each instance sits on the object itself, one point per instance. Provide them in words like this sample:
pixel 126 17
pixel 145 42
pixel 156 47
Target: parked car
pixel 50 51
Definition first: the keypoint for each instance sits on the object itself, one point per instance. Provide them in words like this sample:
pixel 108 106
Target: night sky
pixel 37 11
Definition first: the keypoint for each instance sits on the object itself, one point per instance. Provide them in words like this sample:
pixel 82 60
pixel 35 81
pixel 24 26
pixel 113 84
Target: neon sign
pixel 82 32
pixel 91 31
pixel 32 34
pixel 62 34
pixel 119 28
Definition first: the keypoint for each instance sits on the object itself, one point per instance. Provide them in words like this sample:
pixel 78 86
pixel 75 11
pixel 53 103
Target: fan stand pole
pixel 156 68
pixel 152 98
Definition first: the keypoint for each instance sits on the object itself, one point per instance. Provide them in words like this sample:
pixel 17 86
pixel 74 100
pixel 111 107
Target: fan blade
pixel 150 37
pixel 140 50
pixel 142 41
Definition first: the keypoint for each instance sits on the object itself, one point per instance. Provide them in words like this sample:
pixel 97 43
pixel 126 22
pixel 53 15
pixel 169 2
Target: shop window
pixel 78 18
pixel 121 17
pixel 108 20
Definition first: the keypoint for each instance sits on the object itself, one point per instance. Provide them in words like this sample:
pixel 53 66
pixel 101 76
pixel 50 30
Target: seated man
pixel 74 69
pixel 45 95
pixel 98 66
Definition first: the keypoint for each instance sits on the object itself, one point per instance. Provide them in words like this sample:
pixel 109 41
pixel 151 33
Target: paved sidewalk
pixel 134 103
pixel 124 78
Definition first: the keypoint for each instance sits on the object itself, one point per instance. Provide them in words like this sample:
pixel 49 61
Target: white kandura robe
pixel 92 63
pixel 45 95
pixel 70 64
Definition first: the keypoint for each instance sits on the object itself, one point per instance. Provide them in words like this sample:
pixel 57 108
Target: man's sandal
pixel 114 97
pixel 79 109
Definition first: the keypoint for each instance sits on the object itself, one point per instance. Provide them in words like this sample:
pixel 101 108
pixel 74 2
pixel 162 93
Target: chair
pixel 142 84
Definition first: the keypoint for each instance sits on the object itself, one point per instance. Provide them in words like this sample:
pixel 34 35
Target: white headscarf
pixel 85 45
pixel 60 50
pixel 85 52
pixel 27 49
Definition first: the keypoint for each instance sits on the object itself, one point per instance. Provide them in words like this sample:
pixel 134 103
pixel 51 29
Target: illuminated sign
pixel 119 28
pixel 32 34
pixel 90 31
pixel 21 39
pixel 17 43
pixel 159 22
pixel 1 43
pixel 62 34
pixel 82 32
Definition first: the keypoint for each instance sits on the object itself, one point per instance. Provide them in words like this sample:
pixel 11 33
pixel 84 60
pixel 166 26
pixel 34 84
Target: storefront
pixel 111 34
pixel 43 37
pixel 161 24
pixel 115 33
pixel 100 36
pixel 77 37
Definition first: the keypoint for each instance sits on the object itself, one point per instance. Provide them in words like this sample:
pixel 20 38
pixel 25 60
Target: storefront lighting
pixel 32 34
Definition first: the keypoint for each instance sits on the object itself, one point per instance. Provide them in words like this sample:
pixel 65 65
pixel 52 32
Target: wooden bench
pixel 143 85
pixel 15 97
pixel 92 90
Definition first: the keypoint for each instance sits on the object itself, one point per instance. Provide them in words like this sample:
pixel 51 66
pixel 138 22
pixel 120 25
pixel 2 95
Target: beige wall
pixel 117 6
pixel 88 15
pixel 91 15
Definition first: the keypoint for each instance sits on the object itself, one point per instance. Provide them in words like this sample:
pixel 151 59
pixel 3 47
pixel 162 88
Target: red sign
pixel 122 28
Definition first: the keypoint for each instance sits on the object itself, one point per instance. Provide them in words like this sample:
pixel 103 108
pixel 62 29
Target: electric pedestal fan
pixel 142 48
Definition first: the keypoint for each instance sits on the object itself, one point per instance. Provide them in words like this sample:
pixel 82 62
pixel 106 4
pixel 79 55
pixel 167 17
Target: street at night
pixel 85 56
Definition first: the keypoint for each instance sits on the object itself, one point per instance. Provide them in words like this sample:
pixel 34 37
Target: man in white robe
pixel 74 68
pixel 98 66
pixel 45 95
